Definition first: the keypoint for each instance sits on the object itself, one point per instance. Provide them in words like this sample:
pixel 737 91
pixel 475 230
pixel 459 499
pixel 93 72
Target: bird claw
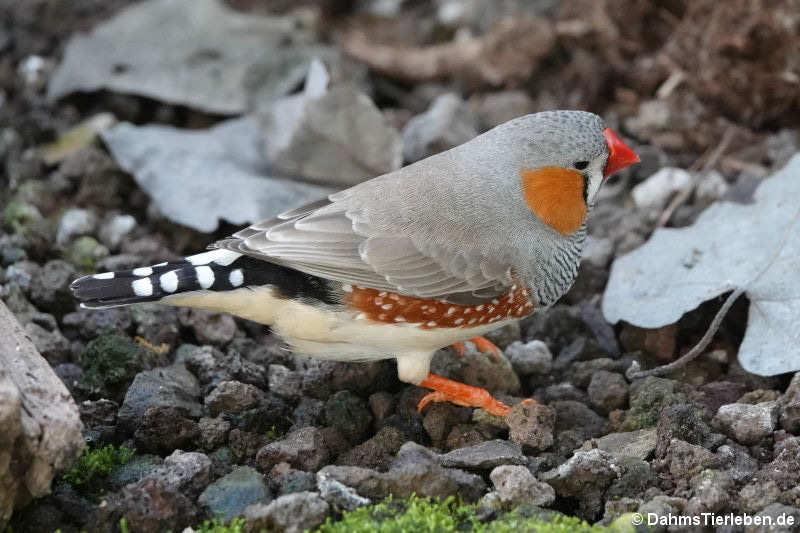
pixel 446 390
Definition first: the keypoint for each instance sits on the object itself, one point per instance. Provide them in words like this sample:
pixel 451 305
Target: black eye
pixel 581 165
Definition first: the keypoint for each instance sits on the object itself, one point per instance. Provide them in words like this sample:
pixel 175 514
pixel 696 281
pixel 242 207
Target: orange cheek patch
pixel 555 195
pixel 391 308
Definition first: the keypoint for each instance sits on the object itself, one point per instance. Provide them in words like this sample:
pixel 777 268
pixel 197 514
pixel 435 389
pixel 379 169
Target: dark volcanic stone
pixel 172 386
pixel 348 413
pixel 163 429
pixel 230 495
pixel 305 449
pixel 377 452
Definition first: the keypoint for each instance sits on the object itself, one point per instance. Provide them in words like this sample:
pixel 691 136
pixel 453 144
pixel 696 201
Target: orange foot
pixel 482 344
pixel 447 390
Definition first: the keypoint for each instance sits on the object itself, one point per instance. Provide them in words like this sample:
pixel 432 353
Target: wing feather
pixel 322 239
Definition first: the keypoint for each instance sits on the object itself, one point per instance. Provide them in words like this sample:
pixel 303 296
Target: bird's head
pixel 567 156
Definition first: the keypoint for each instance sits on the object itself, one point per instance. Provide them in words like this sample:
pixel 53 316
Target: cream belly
pixel 331 333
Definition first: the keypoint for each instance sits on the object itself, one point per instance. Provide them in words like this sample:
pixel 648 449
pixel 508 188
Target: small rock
pixel 244 445
pixel 581 372
pixel 309 412
pixel 447 123
pixel 348 413
pixel 682 421
pixel 415 470
pixel 212 367
pixel 529 358
pixel 172 386
pixel 759 396
pixel 608 391
pixel 684 460
pixel 75 222
pixel 377 452
pixel 92 323
pixel 571 415
pixel 639 444
pixel 747 424
pixel 292 513
pixel 163 499
pixel 338 495
pixel 230 495
pixel 463 435
pixel 381 404
pixel 484 456
pixel 101 412
pixel 712 491
pixel 213 432
pixel 711 187
pixel 516 486
pixel 736 461
pixel 109 364
pixel 305 449
pixel 647 398
pixel 440 418
pixel 50 287
pixel 284 381
pixel 283 479
pixel 163 429
pixel 138 467
pixel 233 397
pixel 114 229
pixel 635 476
pixel 652 194
pixel 208 326
pixel 157 324
pixel 585 476
pixel 531 424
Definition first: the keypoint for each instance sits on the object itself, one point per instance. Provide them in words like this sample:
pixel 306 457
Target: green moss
pixel 18 216
pixel 97 464
pixel 648 399
pixel 217 526
pixel 417 514
pixel 110 362
pixel 85 252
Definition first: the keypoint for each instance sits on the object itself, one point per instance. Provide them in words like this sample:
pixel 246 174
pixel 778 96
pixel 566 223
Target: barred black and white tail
pixel 217 270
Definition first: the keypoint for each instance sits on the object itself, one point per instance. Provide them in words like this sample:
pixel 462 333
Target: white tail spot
pixel 142 287
pixel 205 276
pixel 142 271
pixel 104 275
pixel 168 281
pixel 236 277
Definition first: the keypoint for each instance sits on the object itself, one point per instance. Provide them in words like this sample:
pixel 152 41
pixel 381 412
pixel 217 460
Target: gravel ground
pixel 223 419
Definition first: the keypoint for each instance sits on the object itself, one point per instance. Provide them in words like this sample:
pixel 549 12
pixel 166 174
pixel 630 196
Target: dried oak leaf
pixel 729 246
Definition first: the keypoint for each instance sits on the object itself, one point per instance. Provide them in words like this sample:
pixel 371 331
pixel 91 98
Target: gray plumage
pixel 453 226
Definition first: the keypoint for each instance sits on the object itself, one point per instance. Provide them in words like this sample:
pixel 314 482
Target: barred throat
pixel 557 272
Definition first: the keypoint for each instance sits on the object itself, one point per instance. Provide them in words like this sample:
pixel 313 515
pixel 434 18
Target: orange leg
pixel 447 390
pixel 482 344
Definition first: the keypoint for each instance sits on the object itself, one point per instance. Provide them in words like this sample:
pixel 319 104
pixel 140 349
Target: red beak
pixel 619 155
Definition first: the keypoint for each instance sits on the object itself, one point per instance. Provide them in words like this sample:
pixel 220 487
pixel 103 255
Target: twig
pixel 634 371
pixel 709 164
